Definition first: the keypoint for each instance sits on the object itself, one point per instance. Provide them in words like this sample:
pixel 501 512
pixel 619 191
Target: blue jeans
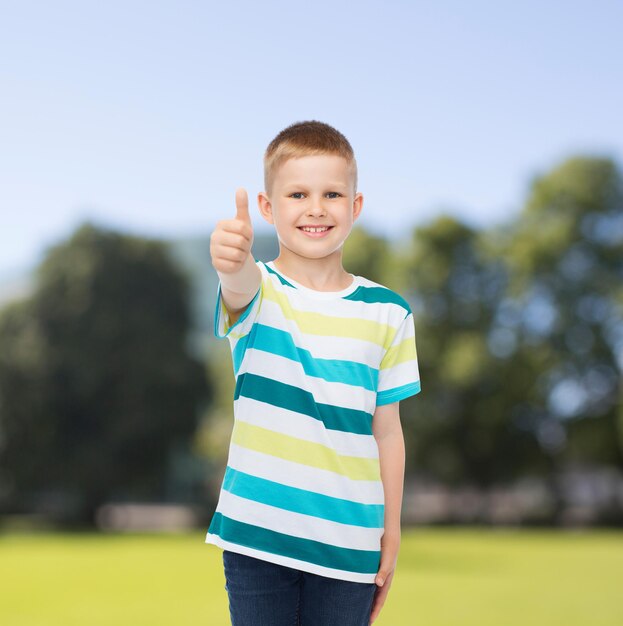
pixel 267 594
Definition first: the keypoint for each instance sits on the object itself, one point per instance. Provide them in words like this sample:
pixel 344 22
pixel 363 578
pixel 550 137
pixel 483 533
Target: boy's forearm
pixel 239 288
pixel 392 462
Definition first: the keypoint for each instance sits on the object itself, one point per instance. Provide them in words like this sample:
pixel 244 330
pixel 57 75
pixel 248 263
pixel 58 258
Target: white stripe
pixel 406 332
pixel 322 346
pixel 304 476
pixel 304 566
pixel 292 373
pixel 298 524
pixel 340 307
pixel 304 427
pixel 398 375
pixel 292 423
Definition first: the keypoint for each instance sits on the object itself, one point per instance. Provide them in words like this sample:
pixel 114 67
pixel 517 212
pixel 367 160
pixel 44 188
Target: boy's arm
pixel 387 431
pixel 388 434
pixel 230 248
pixel 238 289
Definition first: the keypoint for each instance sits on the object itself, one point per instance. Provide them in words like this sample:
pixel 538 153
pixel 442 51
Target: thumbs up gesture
pixel 231 240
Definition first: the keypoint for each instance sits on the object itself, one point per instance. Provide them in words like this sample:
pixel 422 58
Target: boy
pixel 309 510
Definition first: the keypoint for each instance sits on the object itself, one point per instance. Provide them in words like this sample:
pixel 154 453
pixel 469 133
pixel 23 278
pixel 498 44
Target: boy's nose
pixel 316 208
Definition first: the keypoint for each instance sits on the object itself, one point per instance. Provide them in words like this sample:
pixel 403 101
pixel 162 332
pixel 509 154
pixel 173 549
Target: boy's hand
pixel 389 557
pixel 231 240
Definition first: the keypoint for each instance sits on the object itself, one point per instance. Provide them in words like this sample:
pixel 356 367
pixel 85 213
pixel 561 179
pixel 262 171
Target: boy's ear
pixel 357 205
pixel 265 206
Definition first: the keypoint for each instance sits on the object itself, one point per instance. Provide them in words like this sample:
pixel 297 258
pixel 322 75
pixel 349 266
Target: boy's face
pixel 313 190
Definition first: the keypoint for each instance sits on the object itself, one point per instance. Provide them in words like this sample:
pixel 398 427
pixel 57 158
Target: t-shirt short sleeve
pixel 399 375
pixel 243 324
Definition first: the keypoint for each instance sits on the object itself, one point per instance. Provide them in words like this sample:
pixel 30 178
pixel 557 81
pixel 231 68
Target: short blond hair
pixel 306 139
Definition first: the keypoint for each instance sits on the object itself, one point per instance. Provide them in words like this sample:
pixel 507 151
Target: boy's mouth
pixel 314 229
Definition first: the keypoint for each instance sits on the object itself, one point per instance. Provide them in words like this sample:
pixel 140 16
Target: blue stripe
pixel 303 501
pixel 397 393
pixel 241 347
pixel 281 343
pixel 217 310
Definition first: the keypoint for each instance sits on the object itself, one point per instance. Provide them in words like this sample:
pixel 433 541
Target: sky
pixel 146 116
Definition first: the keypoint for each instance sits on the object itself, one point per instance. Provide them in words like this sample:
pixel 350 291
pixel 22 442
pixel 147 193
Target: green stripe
pixel 374 295
pixel 309 550
pixel 282 280
pixel 295 399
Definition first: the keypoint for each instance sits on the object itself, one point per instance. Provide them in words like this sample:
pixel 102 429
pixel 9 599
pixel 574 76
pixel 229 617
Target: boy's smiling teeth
pixel 314 229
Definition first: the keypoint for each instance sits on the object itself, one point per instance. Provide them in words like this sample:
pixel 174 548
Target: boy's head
pixel 311 190
pixel 307 139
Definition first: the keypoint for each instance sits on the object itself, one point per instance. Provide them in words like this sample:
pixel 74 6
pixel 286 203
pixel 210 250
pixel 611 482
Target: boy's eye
pixel 333 194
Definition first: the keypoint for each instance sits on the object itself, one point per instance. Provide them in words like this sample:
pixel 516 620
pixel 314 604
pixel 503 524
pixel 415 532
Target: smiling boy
pixel 309 510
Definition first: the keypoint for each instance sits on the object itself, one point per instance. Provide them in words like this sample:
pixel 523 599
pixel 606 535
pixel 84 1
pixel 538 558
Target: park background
pixel 489 143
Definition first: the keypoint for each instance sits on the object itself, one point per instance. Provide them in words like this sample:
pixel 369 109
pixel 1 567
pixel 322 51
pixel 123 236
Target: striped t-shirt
pixel 302 485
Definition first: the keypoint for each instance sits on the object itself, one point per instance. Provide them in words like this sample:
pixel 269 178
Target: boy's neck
pixel 325 274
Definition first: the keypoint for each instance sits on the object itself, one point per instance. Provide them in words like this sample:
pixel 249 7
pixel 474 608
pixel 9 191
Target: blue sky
pixel 147 115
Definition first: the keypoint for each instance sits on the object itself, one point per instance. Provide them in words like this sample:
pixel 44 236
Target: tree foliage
pixel 520 333
pixel 95 377
pixel 566 263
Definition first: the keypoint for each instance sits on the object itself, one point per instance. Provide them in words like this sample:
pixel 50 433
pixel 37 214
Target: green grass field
pixel 445 577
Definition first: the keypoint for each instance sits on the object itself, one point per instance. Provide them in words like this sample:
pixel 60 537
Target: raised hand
pixel 231 240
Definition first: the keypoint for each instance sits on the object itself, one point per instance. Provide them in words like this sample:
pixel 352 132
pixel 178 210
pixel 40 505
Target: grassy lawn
pixel 445 577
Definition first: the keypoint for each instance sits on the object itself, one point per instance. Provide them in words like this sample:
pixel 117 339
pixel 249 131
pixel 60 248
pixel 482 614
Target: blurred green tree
pixel 459 429
pixel 96 381
pixel 565 255
pixel 520 334
pixel 366 254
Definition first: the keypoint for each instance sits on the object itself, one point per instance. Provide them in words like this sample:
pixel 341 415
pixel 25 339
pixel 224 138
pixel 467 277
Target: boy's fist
pixel 231 240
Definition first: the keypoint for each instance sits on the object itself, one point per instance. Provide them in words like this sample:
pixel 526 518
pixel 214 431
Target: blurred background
pixel 490 150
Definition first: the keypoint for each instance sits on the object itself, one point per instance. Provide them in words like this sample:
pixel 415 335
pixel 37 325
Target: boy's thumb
pixel 242 205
